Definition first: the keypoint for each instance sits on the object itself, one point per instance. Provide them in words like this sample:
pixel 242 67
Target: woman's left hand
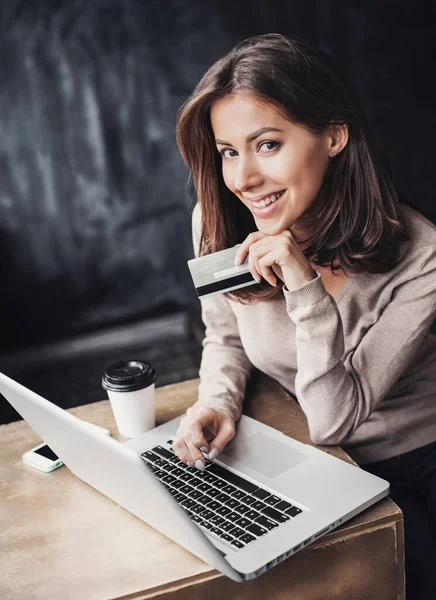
pixel 272 256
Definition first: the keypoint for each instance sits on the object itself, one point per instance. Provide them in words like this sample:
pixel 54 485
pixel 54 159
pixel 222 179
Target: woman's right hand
pixel 205 428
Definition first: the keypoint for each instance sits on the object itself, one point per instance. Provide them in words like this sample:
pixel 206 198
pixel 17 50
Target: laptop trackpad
pixel 265 455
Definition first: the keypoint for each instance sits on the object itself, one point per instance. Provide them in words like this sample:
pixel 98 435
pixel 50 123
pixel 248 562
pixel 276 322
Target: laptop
pixel 264 498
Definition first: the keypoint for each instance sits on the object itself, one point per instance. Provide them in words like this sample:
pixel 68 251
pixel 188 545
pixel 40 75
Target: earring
pixel 334 153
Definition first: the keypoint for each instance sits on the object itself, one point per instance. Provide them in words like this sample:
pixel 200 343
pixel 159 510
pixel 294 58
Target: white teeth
pixel 268 200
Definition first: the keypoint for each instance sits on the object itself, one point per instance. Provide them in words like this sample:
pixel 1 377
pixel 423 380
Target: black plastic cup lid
pixel 128 376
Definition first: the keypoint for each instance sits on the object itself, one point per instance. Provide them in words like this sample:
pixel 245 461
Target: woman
pixel 285 163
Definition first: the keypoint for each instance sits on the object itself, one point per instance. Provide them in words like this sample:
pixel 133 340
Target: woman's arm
pixel 210 423
pixel 338 396
pixel 225 367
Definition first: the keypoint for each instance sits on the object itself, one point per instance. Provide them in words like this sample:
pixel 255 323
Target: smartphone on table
pixel 43 458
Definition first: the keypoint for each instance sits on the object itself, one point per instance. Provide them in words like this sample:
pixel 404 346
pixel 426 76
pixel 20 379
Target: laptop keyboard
pixel 224 504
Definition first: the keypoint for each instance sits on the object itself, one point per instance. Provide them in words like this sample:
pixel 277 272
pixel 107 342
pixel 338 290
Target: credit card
pixel 216 273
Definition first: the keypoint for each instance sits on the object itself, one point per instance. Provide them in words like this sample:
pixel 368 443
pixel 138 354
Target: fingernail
pixel 213 453
pixel 237 261
pixel 189 463
pixel 258 280
pixel 200 465
pixel 204 449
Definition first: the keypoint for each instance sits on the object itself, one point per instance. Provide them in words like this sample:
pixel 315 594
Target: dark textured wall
pixel 94 214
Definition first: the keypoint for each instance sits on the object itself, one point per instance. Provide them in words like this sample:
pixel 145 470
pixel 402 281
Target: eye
pixel 224 150
pixel 270 146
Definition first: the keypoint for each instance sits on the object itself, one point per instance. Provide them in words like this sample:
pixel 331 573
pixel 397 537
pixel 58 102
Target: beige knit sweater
pixel 362 365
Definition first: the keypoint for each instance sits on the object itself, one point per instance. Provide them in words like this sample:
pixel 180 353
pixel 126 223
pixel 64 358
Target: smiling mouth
pixel 269 200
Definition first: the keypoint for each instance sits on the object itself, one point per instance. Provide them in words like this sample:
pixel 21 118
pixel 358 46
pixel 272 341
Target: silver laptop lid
pixel 114 470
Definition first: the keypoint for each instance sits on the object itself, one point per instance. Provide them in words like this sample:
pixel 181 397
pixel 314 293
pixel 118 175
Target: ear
pixel 337 138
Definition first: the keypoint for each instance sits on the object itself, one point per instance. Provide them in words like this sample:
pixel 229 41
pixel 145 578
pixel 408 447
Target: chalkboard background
pixel 94 203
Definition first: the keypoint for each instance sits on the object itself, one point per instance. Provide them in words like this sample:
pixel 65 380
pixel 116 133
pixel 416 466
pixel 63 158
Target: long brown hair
pixel 354 220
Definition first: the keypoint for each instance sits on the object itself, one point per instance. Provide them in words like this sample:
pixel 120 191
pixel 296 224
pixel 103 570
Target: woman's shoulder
pixel 421 245
pixel 417 221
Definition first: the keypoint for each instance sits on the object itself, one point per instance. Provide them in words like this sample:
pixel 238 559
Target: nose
pixel 247 174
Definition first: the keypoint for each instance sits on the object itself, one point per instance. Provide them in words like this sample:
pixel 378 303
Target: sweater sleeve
pixel 224 367
pixel 339 396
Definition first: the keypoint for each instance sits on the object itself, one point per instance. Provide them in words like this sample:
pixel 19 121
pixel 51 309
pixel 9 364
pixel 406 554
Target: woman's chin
pixel 269 228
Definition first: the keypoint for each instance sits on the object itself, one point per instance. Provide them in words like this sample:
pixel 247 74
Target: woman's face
pixel 274 167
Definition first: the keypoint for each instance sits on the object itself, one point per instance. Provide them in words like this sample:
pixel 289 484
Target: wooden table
pixel 60 539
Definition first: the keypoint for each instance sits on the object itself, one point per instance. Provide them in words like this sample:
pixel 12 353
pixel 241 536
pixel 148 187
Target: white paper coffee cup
pixel 130 385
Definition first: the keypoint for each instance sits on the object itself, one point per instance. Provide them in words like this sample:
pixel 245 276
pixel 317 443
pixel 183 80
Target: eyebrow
pixel 252 136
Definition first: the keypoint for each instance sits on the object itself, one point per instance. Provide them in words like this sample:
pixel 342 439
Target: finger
pixel 257 251
pixel 199 423
pixel 244 247
pixel 278 272
pixel 264 266
pixel 196 458
pixel 181 450
pixel 223 437
pixel 198 435
pixel 253 269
